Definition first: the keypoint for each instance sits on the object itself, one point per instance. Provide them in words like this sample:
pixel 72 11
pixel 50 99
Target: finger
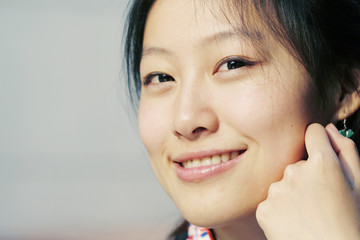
pixel 291 169
pixel 317 143
pixel 347 153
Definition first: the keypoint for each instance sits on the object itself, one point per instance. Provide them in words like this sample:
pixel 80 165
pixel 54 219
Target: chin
pixel 213 215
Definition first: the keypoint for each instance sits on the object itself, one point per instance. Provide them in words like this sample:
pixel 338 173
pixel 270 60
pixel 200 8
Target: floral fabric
pixel 199 233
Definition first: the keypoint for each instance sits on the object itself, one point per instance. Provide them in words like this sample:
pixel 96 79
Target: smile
pixel 201 166
pixel 211 160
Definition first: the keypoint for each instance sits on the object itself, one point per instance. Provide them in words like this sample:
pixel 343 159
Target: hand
pixel 318 198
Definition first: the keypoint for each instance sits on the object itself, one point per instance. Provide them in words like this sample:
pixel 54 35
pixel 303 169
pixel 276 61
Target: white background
pixel 71 162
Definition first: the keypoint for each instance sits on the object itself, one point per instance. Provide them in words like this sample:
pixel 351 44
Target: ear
pixel 350 102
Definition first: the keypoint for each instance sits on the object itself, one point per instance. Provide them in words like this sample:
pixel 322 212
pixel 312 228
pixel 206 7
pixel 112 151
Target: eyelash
pixel 238 61
pixel 150 76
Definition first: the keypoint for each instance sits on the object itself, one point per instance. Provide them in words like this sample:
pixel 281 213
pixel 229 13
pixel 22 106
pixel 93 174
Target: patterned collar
pixel 199 233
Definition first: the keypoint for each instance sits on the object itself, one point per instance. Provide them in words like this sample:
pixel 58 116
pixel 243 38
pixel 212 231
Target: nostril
pixel 198 130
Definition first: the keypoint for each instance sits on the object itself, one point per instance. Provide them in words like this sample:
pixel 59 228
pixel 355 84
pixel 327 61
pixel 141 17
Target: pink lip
pixel 203 172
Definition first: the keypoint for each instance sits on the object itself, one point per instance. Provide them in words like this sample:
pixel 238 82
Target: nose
pixel 194 116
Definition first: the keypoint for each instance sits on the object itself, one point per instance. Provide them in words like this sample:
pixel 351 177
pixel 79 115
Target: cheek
pixel 152 127
pixel 273 119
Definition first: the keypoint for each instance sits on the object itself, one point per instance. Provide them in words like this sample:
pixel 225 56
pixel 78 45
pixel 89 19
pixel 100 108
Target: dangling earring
pixel 346 132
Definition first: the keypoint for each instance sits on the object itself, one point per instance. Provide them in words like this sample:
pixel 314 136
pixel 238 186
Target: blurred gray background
pixel 71 163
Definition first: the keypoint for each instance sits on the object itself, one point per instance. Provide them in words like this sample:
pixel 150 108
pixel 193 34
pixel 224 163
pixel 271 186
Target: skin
pixel 206 106
pixel 320 200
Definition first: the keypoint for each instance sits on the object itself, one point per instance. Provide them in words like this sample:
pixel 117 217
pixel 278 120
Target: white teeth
pixel 216 159
pixel 207 161
pixel 190 164
pixel 196 163
pixel 225 157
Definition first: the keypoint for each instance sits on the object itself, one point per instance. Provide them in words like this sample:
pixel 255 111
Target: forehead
pixel 190 21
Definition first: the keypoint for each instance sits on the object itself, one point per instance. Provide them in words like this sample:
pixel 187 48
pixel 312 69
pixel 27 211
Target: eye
pixel 233 62
pixel 156 78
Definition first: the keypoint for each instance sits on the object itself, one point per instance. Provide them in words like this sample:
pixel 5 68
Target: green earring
pixel 346 132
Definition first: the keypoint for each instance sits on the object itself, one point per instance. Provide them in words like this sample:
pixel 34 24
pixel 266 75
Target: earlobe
pixel 348 105
pixel 350 102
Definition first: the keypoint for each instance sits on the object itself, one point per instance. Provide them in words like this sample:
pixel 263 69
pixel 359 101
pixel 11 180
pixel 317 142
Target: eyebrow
pixel 155 51
pixel 219 36
pixel 238 33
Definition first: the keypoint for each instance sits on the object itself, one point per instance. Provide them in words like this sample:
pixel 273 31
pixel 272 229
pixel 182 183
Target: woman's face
pixel 210 94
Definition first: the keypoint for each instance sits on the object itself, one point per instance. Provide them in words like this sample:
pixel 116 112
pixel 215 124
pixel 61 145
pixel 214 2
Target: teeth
pixel 225 157
pixel 196 163
pixel 216 159
pixel 234 155
pixel 190 165
pixel 207 161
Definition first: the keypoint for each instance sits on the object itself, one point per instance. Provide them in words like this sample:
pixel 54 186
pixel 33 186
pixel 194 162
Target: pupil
pixel 164 78
pixel 234 64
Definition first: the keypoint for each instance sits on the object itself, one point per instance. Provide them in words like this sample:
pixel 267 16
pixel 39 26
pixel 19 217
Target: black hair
pixel 324 35
pixel 134 33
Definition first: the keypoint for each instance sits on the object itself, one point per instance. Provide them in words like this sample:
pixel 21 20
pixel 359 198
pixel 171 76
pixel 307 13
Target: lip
pixel 204 172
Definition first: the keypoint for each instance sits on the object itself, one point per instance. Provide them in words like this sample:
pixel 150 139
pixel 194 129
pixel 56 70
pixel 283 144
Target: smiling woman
pixel 233 96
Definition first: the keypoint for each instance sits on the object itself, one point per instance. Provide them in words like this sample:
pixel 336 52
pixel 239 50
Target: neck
pixel 244 229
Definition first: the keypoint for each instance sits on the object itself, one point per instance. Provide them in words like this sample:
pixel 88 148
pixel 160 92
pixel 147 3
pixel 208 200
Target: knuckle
pixel 261 213
pixel 289 171
pixel 300 164
pixel 273 190
pixel 260 208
